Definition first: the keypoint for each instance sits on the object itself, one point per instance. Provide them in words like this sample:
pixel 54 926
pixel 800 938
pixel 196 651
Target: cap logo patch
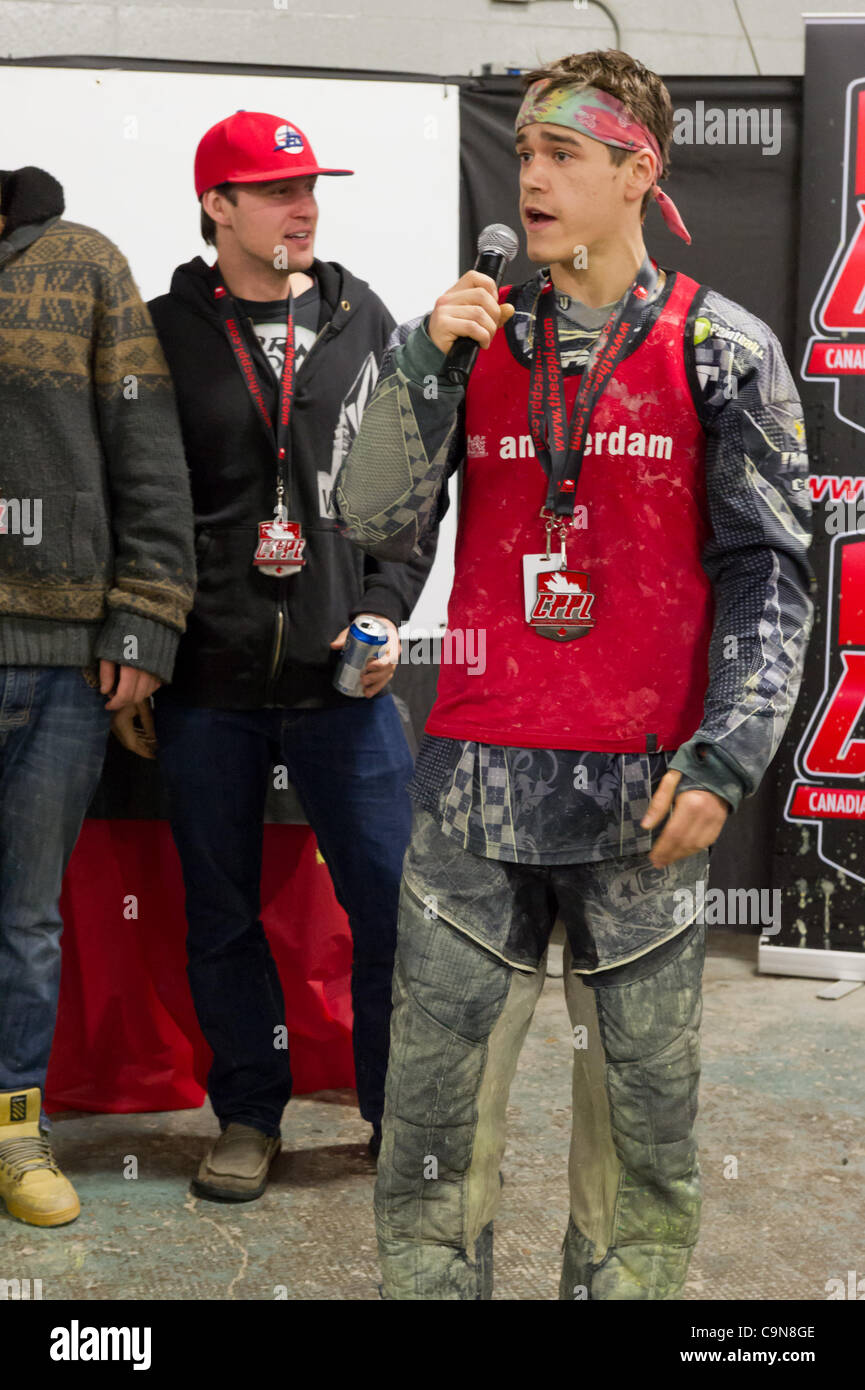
pixel 288 139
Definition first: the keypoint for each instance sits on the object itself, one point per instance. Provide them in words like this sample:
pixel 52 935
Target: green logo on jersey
pixel 702 329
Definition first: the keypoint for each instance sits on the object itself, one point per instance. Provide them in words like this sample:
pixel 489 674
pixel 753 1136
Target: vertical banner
pixel 820 844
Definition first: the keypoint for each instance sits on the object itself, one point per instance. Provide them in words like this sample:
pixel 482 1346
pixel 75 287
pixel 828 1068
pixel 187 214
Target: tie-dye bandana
pixel 602 117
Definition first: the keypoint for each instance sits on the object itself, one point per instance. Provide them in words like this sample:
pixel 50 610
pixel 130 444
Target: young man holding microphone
pixel 642 577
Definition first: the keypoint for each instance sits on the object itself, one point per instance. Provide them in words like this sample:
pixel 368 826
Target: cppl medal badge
pixel 280 548
pixel 558 600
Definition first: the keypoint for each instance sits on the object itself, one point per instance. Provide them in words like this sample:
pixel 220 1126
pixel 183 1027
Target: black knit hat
pixel 28 195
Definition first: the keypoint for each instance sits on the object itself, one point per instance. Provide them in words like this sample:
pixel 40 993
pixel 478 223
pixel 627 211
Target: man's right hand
pixel 469 309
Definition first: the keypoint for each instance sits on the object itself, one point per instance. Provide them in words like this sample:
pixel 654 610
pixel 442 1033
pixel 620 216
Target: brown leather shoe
pixel 235 1169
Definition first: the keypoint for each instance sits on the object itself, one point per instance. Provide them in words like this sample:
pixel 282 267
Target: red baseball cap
pixel 252 147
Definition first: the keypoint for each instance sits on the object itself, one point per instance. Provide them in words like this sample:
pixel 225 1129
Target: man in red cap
pixel 274 354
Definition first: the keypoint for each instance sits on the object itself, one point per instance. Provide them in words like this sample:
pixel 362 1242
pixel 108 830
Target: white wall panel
pixel 122 145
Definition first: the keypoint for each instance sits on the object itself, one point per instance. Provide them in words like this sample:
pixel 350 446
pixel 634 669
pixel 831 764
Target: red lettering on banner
pixel 830 758
pixel 839 489
pixel 835 359
pixel 832 749
pixel 817 486
pixel 845 306
pixel 851 611
pixel 826 803
pixel 845 488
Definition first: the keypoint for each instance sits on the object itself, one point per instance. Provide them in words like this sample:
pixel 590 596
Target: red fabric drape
pixel 127 1037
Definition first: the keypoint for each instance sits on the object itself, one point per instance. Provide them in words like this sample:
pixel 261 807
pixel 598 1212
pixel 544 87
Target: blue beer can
pixel 366 638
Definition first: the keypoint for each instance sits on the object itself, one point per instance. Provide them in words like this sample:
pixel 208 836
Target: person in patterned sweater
pixel 96 578
pixel 633 536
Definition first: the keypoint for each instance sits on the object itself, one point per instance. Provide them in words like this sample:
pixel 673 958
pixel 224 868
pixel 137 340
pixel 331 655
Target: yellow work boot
pixel 31 1184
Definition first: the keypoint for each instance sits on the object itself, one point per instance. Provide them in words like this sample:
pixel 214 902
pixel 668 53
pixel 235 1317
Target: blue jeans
pixel 53 731
pixel 350 767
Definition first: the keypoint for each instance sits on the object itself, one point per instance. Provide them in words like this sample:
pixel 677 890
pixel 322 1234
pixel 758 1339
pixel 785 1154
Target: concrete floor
pixel 783 1094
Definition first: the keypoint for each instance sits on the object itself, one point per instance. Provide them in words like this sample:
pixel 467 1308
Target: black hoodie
pixel 252 640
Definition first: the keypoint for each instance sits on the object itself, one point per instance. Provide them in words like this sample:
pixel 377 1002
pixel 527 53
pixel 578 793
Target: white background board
pixel 122 145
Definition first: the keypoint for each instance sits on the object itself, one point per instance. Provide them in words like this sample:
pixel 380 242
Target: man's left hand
pixel 377 672
pixel 698 818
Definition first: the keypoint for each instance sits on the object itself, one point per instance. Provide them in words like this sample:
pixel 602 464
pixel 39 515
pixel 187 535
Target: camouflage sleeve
pixel 756 558
pixel 391 490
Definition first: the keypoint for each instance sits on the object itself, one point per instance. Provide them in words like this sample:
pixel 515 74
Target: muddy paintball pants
pixel 461 1012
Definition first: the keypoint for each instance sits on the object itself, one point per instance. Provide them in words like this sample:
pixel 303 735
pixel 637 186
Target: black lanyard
pixel 558 444
pixel 243 357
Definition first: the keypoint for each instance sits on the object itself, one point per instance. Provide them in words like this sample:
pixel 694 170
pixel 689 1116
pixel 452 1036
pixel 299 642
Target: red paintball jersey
pixel 637 680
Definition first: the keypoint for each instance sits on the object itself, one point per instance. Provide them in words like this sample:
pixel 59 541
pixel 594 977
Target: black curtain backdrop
pixel 741 208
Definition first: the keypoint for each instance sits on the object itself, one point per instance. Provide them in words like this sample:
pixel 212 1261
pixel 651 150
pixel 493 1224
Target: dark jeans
pixel 53 730
pixel 349 767
pixel 461 1013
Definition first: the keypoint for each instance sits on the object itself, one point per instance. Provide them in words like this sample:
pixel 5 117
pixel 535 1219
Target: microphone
pixel 497 246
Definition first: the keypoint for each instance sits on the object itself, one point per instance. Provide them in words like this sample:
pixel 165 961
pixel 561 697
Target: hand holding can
pixel 366 640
